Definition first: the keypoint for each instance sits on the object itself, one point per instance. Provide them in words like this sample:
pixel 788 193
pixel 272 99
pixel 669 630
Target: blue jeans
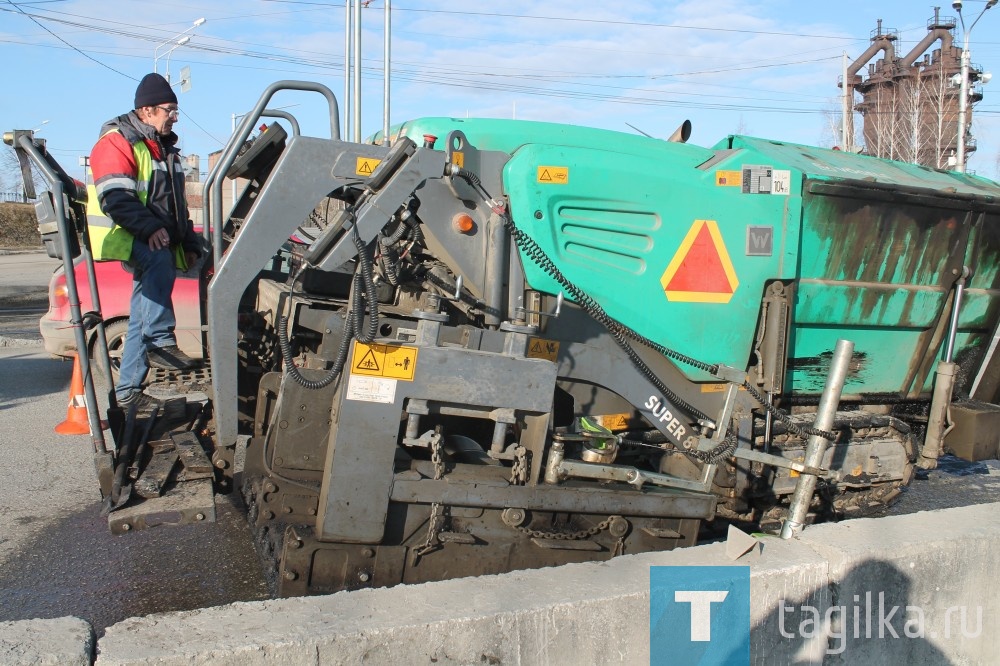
pixel 151 319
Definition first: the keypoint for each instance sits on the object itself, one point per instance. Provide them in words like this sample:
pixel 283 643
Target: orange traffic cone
pixel 76 422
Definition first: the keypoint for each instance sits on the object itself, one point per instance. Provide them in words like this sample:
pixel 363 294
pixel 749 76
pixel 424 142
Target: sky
pixel 766 68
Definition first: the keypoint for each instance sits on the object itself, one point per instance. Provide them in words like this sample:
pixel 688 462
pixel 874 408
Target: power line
pixel 33 20
pixel 576 19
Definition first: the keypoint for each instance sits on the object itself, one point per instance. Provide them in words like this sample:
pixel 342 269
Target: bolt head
pixel 618 527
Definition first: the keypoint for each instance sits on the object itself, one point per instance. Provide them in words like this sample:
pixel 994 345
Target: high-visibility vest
pixel 108 241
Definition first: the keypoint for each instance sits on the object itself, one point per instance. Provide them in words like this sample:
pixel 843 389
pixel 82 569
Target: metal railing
pixel 15 197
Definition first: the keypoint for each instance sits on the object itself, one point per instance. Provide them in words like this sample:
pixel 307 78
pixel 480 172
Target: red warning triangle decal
pixel 701 270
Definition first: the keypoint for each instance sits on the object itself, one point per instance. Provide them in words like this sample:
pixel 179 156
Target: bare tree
pixel 911 112
pixel 880 110
pixel 741 126
pixel 939 117
pixel 10 173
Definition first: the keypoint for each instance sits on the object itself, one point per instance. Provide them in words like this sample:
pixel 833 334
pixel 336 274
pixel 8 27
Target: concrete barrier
pixel 915 589
pixel 814 600
pixel 66 641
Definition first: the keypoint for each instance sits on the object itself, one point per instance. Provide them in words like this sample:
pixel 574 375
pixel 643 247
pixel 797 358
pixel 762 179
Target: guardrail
pixel 14 197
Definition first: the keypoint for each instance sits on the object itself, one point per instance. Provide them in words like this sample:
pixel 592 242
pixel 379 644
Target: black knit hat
pixel 153 90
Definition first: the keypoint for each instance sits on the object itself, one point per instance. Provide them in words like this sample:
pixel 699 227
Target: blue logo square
pixel 699 615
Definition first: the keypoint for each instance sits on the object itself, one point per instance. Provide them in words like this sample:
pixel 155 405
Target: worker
pixel 139 181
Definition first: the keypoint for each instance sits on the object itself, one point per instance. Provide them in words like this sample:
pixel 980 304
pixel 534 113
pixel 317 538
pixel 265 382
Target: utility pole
pixel 846 132
pixel 963 99
pixel 348 35
pixel 387 72
pixel 357 71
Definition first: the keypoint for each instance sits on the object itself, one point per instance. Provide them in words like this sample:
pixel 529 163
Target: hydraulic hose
pixel 355 313
pixel 622 333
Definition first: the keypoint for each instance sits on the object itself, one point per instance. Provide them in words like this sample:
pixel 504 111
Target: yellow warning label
pixel 390 361
pixel 458 159
pixel 793 473
pixel 716 388
pixel 729 178
pixel 553 174
pixel 612 421
pixel 366 165
pixel 542 348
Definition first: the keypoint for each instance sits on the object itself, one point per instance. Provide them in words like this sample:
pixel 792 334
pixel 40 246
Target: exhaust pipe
pixel 682 133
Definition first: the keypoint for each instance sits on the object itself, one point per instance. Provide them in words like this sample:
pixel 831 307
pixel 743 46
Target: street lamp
pixel 180 42
pixel 963 95
pixel 177 40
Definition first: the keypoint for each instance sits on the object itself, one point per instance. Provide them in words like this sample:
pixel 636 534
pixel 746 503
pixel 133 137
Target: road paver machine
pixel 494 344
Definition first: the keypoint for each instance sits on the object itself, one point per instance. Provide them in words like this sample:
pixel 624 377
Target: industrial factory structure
pixel 910 104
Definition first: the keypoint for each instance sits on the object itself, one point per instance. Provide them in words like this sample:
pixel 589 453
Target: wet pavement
pixel 24 279
pixel 77 567
pixel 57 555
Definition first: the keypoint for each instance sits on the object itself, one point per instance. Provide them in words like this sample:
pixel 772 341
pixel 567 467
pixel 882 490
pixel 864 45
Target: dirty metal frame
pixel 223 302
pixel 24 144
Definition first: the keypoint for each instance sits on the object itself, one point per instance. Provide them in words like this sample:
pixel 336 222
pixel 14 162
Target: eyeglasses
pixel 170 112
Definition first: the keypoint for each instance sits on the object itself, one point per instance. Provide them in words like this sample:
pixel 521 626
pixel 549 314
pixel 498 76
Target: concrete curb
pixel 20 342
pixel 598 612
pixel 63 641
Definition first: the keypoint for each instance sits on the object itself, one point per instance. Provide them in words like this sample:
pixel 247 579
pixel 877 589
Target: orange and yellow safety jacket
pixel 138 189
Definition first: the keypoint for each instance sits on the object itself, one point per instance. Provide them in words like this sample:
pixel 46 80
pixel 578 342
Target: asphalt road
pixel 24 279
pixel 57 556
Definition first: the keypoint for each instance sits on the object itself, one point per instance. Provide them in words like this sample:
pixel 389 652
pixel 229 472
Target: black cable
pixel 620 332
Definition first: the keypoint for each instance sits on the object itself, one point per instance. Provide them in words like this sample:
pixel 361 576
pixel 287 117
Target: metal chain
pixel 433 526
pixel 568 536
pixel 437 458
pixel 519 471
pixel 431 542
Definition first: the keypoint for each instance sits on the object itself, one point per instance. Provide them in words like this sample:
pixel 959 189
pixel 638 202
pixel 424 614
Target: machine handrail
pixel 212 191
pixel 25 142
